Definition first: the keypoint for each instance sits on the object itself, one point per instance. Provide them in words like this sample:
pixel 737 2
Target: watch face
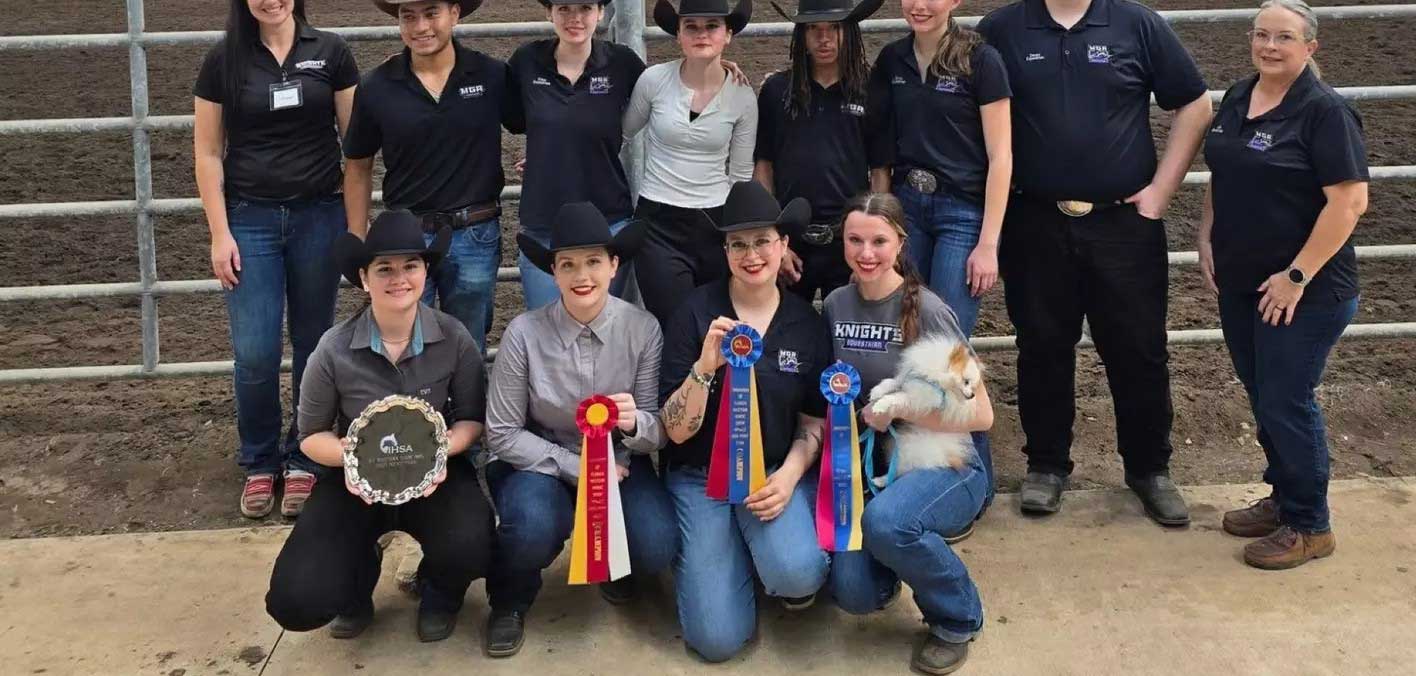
pixel 1295 275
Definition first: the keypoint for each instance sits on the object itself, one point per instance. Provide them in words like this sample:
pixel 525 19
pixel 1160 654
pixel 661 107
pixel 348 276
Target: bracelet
pixel 705 381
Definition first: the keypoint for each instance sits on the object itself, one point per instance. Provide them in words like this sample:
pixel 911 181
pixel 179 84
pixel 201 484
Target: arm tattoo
pixel 695 423
pixel 674 410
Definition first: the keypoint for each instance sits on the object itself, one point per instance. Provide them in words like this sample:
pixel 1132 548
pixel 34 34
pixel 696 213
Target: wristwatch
pixel 1297 276
pixel 705 381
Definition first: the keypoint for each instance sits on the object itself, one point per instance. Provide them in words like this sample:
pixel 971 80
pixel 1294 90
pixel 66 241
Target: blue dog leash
pixel 868 460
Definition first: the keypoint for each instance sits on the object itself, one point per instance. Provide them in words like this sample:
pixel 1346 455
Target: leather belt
pixel 820 234
pixel 1074 208
pixel 457 220
pixel 922 180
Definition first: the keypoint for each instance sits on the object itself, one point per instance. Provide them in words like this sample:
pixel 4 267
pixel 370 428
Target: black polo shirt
pixel 820 155
pixel 573 130
pixel 796 349
pixel 935 123
pixel 439 154
pixel 276 150
pixel 1081 104
pixel 1268 178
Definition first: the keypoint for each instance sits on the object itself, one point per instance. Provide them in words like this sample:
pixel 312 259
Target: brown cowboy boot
pixel 1288 548
pixel 1255 521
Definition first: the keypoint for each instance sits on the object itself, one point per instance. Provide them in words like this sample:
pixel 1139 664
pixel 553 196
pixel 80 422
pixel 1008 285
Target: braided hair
pixel 855 69
pixel 886 206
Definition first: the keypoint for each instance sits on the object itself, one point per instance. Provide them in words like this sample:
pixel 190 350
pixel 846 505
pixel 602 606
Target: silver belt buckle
pixel 922 181
pixel 1074 208
pixel 818 234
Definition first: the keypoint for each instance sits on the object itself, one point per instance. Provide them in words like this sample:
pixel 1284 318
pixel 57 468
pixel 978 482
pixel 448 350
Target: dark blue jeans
pixel 466 281
pixel 943 230
pixel 285 261
pixel 1280 367
pixel 538 513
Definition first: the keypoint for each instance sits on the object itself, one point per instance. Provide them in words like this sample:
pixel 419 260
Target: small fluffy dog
pixel 936 373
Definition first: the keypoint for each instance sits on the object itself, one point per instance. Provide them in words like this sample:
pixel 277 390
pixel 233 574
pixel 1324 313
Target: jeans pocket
pixel 485 232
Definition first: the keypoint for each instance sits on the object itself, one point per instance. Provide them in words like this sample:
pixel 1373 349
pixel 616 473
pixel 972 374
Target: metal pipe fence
pixel 626 26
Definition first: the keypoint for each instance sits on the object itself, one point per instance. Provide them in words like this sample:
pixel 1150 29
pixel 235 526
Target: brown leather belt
pixel 457 220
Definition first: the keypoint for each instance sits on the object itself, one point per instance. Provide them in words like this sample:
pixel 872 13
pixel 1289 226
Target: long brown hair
pixel 888 207
pixel 854 67
pixel 954 54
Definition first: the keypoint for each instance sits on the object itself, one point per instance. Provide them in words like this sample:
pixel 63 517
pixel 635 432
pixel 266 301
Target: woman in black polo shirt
pixel 770 536
pixel 328 567
pixel 571 92
pixel 268 100
pixel 1288 186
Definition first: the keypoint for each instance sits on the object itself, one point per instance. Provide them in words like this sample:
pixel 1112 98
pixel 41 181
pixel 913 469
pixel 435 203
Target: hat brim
pixel 793 220
pixel 667 18
pixel 466 6
pixel 855 15
pixel 351 254
pixel 622 245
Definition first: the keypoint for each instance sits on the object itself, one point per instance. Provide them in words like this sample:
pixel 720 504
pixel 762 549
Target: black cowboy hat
pixel 548 3
pixel 667 17
pixel 393 233
pixel 824 11
pixel 467 7
pixel 579 225
pixel 751 206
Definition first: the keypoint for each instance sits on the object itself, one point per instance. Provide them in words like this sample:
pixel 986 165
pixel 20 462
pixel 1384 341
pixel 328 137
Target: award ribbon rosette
pixel 839 496
pixel 599 551
pixel 736 469
pixel 395 449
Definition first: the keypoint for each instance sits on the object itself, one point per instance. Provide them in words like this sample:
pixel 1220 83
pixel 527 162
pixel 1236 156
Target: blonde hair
pixel 1310 24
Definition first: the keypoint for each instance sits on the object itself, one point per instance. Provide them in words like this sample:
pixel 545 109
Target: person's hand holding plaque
pixel 395 451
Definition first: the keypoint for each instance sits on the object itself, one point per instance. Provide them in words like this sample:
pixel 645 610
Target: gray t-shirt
pixel 866 333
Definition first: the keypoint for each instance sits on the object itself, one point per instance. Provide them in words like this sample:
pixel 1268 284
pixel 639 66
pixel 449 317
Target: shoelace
pixel 256 486
pixel 299 484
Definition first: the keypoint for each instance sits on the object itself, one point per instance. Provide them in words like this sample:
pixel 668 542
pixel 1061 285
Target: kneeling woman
pixel 329 566
pixel 772 534
pixel 908 526
pixel 551 359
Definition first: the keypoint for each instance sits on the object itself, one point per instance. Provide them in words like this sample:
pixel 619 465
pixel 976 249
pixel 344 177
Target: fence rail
pixel 627 26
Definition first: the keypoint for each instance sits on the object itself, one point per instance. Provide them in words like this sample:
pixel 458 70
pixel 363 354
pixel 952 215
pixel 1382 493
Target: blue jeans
pixel 943 230
pixel 285 260
pixel 539 289
pixel 466 280
pixel 1280 367
pixel 538 513
pixel 904 531
pixel 723 546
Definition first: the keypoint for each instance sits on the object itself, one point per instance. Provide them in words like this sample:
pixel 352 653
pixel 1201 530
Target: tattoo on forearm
pixel 695 423
pixel 801 434
pixel 674 410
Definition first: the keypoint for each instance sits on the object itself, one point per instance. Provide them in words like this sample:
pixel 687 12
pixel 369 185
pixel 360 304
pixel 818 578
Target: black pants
pixel 1110 267
pixel 329 564
pixel 823 268
pixel 681 251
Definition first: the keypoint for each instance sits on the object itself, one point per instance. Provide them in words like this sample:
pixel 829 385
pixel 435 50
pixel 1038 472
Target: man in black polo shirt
pixel 811 135
pixel 1083 235
pixel 435 111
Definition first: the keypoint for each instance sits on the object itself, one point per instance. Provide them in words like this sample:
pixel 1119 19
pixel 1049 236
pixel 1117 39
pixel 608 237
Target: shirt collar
pixel 1292 102
pixel 303 31
pixel 545 55
pixel 367 337
pixel 568 329
pixel 1035 15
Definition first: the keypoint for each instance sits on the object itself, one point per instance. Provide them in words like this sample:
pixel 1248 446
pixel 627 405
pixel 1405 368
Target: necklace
pixel 400 341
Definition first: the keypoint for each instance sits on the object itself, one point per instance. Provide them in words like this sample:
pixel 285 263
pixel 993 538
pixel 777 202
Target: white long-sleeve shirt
pixel 691 163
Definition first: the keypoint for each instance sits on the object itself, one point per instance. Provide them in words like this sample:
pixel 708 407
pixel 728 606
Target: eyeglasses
pixel 739 248
pixel 1259 36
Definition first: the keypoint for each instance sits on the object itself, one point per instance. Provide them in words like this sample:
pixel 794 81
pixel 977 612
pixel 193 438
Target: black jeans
pixel 1109 267
pixel 681 252
pixel 823 268
pixel 329 564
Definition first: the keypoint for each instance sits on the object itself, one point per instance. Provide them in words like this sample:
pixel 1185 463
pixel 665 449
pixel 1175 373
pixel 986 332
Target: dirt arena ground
pixel 96 457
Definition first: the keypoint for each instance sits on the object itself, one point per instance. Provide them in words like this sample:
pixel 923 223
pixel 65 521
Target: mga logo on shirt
pixel 787 361
pixel 471 91
pixel 1261 141
pixel 948 84
pixel 312 64
pixel 1098 54
pixel 600 84
pixel 853 109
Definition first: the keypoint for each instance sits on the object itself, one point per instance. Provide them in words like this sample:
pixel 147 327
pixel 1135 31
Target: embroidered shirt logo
pixel 541 82
pixel 855 109
pixel 1217 129
pixel 471 91
pixel 312 64
pixel 1098 54
pixel 897 80
pixel 787 361
pixel 1035 56
pixel 1261 141
pixel 948 84
pixel 600 84
pixel 425 391
pixel 390 446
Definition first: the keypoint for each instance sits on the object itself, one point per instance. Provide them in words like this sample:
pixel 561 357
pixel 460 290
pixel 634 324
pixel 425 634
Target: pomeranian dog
pixel 936 374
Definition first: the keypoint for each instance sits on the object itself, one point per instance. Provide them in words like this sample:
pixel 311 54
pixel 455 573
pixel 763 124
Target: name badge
pixel 286 95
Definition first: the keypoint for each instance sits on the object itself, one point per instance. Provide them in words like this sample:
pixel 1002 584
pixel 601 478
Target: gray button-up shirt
pixel 548 363
pixel 348 371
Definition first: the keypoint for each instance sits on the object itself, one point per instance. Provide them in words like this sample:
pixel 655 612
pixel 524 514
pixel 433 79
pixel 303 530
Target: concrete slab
pixel 1096 589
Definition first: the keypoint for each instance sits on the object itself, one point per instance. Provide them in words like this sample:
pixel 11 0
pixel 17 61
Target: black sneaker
pixel 1042 493
pixel 937 656
pixel 1161 498
pixel 506 629
pixel 619 592
pixel 351 624
pixel 435 625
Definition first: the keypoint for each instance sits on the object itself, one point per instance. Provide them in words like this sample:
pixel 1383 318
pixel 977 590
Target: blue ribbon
pixel 739 393
pixel 840 384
